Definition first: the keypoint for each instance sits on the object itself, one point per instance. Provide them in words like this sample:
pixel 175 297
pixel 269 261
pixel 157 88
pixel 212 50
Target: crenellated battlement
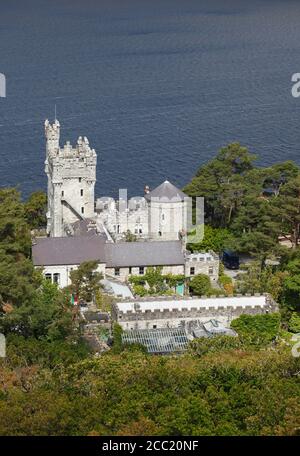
pixel 164 312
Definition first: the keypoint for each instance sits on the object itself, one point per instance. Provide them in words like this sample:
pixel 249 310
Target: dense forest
pixel 50 382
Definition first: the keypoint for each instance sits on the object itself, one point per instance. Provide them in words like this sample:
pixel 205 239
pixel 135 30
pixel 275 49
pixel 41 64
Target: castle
pixel 161 214
pixel 80 228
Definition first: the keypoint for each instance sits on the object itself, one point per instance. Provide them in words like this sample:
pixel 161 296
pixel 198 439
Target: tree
pixel 257 330
pixel 220 182
pixel 288 210
pixel 48 314
pixel 15 237
pixel 18 279
pixel 292 283
pixel 294 323
pixel 86 281
pixel 35 209
pixel 216 239
pixel 200 285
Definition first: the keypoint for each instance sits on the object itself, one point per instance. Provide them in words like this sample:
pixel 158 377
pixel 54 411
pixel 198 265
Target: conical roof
pixel 166 192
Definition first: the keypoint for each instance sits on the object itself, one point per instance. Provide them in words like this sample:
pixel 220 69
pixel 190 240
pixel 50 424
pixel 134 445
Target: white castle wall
pixel 166 219
pixel 174 313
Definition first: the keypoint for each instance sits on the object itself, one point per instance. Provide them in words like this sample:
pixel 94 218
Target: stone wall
pixel 183 317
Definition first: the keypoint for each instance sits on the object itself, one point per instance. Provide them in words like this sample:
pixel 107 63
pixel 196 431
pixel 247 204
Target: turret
pixel 52 133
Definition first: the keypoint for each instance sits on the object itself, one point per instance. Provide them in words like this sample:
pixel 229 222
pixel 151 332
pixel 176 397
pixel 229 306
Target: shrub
pixel 200 285
pixel 257 330
pixel 204 345
pixel 294 323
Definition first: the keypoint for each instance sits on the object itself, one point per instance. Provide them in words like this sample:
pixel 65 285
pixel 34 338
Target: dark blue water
pixel 157 86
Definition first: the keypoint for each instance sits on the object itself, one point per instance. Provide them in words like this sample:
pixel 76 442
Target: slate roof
pixel 153 253
pixel 166 192
pixel 76 250
pixel 68 250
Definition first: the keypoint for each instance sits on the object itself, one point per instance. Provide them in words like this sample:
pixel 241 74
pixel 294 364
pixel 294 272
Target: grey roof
pixel 86 227
pixel 166 192
pixel 152 253
pixel 75 250
pixel 68 250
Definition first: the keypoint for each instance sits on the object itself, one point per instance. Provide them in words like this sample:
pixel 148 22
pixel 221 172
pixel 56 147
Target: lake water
pixel 157 86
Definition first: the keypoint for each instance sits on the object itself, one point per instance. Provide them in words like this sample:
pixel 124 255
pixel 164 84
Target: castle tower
pixel 167 212
pixel 71 175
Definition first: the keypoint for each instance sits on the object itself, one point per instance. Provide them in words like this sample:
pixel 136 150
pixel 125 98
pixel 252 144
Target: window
pixel 117 272
pixel 81 192
pixel 82 210
pixel 62 193
pixel 79 179
pixel 210 270
pixel 163 216
pixel 141 270
pixel 192 271
pixel 140 231
pixel 159 233
pixel 56 278
pixel 154 326
pixel 130 270
pixel 48 277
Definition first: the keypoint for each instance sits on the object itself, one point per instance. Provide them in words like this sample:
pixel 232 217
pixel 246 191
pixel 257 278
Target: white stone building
pixel 120 260
pixel 81 229
pixel 160 214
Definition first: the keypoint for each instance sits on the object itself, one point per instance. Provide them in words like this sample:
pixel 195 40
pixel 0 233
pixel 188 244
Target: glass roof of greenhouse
pixel 163 340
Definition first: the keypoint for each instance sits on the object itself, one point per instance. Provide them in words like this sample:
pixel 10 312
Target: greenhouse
pixel 164 340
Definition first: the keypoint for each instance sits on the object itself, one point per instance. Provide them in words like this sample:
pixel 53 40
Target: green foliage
pixel 294 323
pixel 129 236
pixel 117 338
pixel 200 285
pixel 157 283
pixel 14 232
pixel 221 393
pixel 224 279
pixel 35 210
pixel 234 199
pixel 204 345
pixel 86 281
pixel 48 315
pixel 139 290
pixel 23 351
pixel 215 239
pixel 257 330
pixel 18 279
